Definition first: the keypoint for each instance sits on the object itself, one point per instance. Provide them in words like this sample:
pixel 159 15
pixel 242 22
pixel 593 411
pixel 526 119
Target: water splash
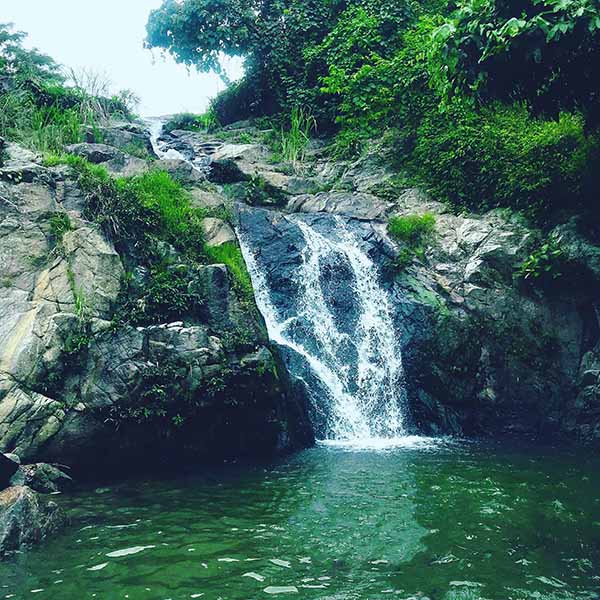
pixel 359 367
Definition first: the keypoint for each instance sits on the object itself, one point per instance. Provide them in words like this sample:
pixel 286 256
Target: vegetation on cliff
pixel 45 108
pixel 486 104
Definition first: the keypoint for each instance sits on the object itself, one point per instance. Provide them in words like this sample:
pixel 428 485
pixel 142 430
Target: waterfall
pixel 349 357
pixel 355 358
pixel 163 150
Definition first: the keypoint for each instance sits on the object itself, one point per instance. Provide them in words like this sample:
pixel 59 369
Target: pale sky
pixel 107 36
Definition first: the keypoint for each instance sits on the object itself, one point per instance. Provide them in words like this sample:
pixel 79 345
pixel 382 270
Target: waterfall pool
pixel 440 520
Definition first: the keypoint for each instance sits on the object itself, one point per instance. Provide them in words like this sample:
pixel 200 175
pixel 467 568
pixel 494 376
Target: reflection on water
pixel 442 521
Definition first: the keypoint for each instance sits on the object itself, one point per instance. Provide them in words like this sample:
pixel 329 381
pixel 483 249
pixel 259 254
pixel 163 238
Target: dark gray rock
pixel 26 519
pixel 95 153
pixel 128 137
pixel 8 468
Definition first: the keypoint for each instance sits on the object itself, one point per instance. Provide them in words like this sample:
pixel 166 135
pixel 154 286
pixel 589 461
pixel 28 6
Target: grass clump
pixel 138 149
pixel 178 223
pixel 413 232
pixel 295 139
pixel 60 223
pixel 230 255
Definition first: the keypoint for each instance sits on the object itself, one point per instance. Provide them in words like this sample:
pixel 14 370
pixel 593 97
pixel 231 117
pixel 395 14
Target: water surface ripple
pixel 421 520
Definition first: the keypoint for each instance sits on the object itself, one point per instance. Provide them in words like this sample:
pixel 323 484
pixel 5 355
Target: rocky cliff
pixel 486 352
pixel 82 387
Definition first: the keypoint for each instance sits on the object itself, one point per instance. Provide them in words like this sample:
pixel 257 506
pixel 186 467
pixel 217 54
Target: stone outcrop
pixel 80 397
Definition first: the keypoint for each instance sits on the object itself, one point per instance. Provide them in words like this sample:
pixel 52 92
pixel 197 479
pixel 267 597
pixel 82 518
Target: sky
pixel 107 36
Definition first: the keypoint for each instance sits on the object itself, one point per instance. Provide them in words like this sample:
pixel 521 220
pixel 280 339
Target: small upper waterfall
pixel 351 349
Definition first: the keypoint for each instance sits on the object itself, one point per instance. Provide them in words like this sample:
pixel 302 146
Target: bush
pixel 191 122
pixel 171 292
pixel 140 211
pixel 502 157
pixel 259 192
pixel 179 223
pixel 241 100
pixel 546 263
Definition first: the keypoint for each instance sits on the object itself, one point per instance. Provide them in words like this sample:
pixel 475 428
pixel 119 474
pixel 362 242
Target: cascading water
pixel 348 354
pixel 164 151
pixel 352 351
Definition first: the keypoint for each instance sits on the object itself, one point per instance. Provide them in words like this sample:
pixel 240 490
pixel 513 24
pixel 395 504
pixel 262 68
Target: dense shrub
pixel 240 100
pixel 139 212
pixel 170 292
pixel 503 157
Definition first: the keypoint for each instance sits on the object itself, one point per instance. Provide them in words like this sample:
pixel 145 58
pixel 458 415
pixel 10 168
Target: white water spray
pixel 361 370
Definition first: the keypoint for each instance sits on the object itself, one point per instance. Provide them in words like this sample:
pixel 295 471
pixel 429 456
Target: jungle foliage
pixel 484 102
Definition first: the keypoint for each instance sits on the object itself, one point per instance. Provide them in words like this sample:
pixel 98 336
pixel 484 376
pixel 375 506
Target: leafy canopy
pixel 17 61
pixel 543 52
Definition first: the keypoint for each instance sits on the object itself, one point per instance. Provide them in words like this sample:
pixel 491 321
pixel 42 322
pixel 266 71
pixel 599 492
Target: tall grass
pixel 41 128
pixel 47 117
pixel 294 141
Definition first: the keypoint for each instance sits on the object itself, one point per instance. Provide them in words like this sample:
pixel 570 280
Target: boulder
pixel 115 161
pixel 182 171
pixel 357 205
pixel 26 519
pixel 94 153
pixel 128 137
pixel 42 477
pixel 217 232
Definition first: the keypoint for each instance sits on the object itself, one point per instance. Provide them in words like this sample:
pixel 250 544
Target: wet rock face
pixel 26 519
pixel 484 353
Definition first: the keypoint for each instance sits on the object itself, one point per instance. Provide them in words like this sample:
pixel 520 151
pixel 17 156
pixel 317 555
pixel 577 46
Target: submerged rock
pixel 26 519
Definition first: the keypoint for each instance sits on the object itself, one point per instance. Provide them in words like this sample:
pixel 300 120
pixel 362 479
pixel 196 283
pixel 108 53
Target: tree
pixel 23 64
pixel 543 52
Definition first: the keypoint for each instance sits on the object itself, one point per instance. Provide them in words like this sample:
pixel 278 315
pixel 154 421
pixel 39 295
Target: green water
pixel 448 522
